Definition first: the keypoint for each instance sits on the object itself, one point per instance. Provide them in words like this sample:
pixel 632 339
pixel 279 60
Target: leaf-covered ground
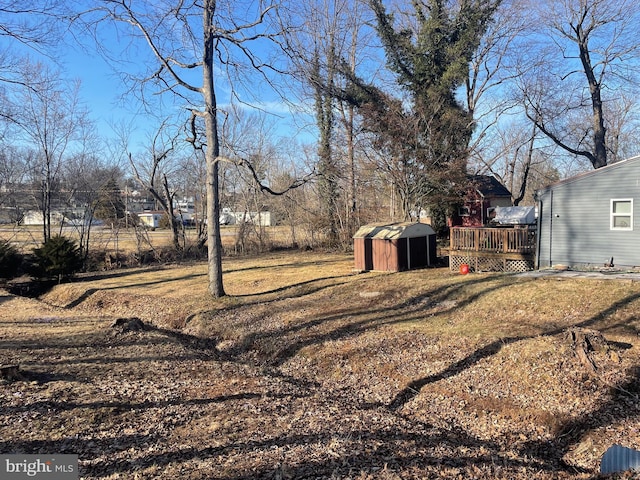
pixel 310 371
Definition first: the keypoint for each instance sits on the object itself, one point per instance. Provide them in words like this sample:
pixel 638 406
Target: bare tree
pixel 84 176
pixel 188 36
pixel 320 71
pixel 193 176
pixel 331 33
pixel 30 23
pixel 492 65
pixel 358 36
pixel 36 26
pixel 493 69
pixel 512 156
pixel 585 55
pixel 247 139
pixel 50 118
pixel 13 171
pixel 153 174
pixel 623 122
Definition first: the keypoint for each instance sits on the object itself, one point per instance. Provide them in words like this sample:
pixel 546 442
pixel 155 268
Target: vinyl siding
pixel 575 215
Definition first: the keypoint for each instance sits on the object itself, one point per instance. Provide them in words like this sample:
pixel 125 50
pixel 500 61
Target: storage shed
pixel 394 247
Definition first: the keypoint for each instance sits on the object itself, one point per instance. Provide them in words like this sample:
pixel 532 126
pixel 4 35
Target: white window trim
pixel 613 215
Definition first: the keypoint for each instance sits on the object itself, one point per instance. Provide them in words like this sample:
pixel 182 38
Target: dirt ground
pixel 336 376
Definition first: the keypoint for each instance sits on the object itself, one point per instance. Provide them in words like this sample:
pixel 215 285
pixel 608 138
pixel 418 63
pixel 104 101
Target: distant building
pixel 35 217
pixel 228 217
pixel 483 195
pixel 151 219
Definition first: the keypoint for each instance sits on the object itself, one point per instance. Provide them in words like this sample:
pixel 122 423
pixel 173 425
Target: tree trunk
pixel 325 116
pixel 352 173
pixel 176 225
pixel 214 242
pixel 352 209
pixel 46 202
pixel 584 341
pixel 526 168
pixel 599 158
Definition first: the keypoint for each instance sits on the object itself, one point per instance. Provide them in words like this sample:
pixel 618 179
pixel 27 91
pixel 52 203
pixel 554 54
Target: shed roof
pixel 392 231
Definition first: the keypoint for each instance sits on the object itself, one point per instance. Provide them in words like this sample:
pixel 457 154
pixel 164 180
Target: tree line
pixel 402 101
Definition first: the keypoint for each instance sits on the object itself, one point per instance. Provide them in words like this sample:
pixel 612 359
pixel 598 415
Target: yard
pixel 308 370
pixel 128 240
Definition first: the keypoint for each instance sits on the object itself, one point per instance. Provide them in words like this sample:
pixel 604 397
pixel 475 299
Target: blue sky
pixel 103 93
pixel 101 90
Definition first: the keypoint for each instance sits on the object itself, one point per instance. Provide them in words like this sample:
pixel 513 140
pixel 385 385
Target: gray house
pixel 592 219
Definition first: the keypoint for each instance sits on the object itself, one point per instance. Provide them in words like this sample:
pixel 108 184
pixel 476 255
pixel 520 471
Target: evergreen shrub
pixel 59 257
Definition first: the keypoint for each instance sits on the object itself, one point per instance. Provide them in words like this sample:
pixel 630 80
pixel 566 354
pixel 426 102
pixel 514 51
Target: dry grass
pixel 307 370
pixel 125 241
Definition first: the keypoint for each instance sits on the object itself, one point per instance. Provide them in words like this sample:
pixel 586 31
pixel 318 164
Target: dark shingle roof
pixel 489 186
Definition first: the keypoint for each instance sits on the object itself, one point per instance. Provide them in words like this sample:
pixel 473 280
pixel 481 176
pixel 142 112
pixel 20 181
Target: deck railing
pixel 494 240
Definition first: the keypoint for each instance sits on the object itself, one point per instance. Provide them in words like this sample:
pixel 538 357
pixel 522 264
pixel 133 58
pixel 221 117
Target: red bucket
pixel 464 268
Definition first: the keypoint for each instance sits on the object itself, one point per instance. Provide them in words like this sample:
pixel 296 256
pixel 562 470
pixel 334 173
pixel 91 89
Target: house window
pixel 622 214
pixel 463 211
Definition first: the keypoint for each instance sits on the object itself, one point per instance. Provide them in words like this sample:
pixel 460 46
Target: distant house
pixel 151 219
pixel 483 195
pixel 185 212
pixel 35 217
pixel 592 218
pixel 229 217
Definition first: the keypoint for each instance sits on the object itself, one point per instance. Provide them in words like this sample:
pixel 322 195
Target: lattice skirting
pixel 490 264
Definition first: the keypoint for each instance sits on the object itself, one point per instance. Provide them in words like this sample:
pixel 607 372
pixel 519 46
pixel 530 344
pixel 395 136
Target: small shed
pixel 394 247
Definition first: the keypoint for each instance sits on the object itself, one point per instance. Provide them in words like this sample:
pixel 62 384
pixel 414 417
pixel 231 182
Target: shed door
pixel 402 255
pixel 418 252
pixel 368 254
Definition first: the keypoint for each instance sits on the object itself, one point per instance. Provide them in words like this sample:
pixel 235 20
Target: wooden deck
pixel 492 249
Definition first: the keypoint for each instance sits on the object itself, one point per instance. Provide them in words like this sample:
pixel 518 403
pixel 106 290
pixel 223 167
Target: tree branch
pixel 263 188
pixel 557 141
pixel 132 19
